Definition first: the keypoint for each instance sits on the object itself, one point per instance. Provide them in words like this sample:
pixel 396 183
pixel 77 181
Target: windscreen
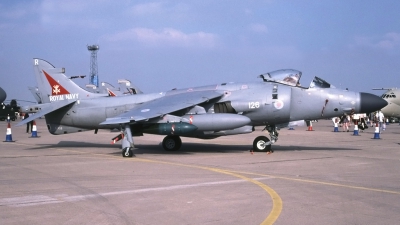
pixel 320 83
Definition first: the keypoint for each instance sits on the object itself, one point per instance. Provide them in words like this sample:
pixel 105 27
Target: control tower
pixel 93 78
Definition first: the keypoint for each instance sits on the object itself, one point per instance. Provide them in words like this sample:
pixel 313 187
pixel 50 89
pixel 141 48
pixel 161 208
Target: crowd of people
pixel 362 120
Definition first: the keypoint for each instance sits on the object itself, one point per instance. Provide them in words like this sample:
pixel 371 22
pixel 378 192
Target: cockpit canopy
pixel 292 78
pixel 320 83
pixel 285 76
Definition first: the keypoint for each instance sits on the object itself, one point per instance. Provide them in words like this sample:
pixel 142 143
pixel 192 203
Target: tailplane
pixel 53 85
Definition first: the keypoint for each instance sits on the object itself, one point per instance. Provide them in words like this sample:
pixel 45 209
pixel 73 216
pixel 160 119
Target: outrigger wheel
pixel 260 144
pixel 127 152
pixel 172 143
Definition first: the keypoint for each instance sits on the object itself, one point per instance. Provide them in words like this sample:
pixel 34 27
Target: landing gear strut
pixel 172 143
pixel 262 143
pixel 127 142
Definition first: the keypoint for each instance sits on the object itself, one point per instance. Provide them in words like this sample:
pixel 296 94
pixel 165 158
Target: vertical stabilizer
pixel 53 85
pixel 36 94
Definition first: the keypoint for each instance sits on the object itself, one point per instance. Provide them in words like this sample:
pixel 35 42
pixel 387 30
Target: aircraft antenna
pixel 93 78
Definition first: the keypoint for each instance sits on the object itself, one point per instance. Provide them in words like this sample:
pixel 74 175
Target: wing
pixel 46 109
pixel 162 106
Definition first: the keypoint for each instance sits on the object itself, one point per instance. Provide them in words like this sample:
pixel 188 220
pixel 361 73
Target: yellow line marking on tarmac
pixel 276 199
pixel 321 183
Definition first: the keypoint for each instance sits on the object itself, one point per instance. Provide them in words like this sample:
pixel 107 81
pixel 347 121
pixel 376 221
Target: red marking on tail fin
pixel 110 93
pixel 56 88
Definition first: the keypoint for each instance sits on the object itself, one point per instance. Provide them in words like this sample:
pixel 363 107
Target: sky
pixel 160 45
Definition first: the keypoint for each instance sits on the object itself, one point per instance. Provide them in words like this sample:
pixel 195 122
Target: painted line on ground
pixel 32 200
pixel 321 183
pixel 277 203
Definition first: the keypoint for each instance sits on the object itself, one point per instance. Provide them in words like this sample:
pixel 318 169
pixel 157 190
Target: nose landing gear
pixel 262 143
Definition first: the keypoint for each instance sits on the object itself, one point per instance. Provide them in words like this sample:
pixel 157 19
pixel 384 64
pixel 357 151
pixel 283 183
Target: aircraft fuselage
pixel 263 103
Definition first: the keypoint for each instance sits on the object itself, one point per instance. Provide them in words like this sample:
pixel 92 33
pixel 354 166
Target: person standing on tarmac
pixel 362 124
pixel 381 119
pixel 346 120
pixel 30 124
pixel 356 119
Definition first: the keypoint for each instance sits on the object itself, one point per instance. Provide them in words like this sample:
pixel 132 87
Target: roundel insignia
pixel 278 104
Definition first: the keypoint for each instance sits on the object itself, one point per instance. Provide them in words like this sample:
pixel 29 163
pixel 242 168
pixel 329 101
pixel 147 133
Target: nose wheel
pixel 262 144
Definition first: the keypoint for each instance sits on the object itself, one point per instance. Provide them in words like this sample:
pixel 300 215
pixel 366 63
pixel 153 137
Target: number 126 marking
pixel 254 105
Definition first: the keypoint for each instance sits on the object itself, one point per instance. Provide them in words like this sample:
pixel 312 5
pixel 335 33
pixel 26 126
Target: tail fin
pixel 53 85
pixel 127 87
pixel 36 94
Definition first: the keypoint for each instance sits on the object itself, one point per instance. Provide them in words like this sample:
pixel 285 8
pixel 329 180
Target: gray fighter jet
pixel 200 112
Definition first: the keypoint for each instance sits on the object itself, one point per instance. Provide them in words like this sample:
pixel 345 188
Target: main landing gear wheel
pixel 127 152
pixel 172 143
pixel 259 144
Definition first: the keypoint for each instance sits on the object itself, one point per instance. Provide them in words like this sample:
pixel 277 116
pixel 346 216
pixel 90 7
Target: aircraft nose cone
pixel 370 103
pixel 3 95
